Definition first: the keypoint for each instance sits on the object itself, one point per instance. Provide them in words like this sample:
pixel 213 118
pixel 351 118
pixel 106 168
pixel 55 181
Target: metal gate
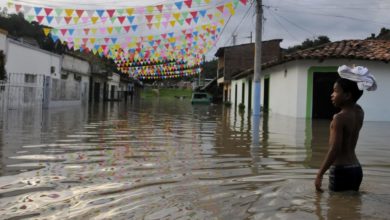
pixel 21 90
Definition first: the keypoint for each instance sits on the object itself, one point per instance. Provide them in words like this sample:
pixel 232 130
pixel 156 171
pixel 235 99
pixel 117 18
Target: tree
pixel 309 43
pixel 210 69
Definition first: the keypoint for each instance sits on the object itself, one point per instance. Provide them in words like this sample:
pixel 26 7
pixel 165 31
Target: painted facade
pixel 301 86
pixel 291 88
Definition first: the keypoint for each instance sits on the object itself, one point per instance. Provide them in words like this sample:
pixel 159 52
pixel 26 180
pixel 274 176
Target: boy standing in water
pixel 345 170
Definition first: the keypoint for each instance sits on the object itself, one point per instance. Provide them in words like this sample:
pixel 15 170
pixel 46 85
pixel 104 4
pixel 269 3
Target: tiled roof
pixel 378 50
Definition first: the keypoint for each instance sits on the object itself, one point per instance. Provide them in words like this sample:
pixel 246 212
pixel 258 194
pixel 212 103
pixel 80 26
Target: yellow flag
pixel 69 12
pixel 76 20
pixel 46 31
pixel 109 29
pixel 173 22
pixel 130 11
pixel 149 9
pixel 94 19
pixel 230 7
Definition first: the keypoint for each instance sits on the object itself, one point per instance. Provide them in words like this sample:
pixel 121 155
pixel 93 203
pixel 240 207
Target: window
pixel 29 78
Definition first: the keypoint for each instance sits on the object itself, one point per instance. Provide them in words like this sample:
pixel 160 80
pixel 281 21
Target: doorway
pixel 322 89
pixel 266 95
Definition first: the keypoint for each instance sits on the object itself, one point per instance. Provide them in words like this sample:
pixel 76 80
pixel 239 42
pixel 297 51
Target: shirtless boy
pixel 345 170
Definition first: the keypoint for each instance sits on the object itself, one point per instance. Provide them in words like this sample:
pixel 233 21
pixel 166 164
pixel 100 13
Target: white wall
pixel 75 64
pixel 28 59
pixel 288 92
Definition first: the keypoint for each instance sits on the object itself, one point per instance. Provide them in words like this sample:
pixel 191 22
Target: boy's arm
pixel 335 142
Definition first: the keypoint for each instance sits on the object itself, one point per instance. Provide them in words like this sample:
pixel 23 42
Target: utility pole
pixel 250 37
pixel 257 76
pixel 257 67
pixel 234 36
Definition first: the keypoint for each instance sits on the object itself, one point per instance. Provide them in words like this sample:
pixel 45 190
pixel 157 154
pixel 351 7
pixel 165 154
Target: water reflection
pixel 168 159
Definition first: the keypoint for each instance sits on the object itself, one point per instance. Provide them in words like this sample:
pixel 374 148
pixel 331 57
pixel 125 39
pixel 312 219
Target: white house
pixel 300 84
pixel 38 77
pixel 73 87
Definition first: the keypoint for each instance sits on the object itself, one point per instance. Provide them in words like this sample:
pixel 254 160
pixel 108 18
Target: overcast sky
pixel 290 20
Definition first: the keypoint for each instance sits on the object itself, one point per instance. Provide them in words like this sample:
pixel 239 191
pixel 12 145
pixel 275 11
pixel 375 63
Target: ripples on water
pixel 170 160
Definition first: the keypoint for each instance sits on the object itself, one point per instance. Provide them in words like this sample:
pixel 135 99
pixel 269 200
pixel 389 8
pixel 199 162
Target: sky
pixel 293 21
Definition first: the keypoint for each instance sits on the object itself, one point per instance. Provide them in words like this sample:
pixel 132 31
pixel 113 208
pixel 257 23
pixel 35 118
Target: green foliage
pixel 384 34
pixel 241 106
pixel 210 69
pixel 227 104
pixel 309 43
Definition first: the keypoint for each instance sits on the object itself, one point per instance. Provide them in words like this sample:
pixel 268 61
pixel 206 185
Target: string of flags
pixel 180 31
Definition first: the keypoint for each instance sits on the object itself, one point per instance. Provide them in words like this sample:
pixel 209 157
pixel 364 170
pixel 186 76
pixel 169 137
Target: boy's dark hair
pixel 350 86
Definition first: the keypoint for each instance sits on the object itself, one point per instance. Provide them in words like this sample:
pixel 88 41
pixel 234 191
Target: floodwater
pixel 167 159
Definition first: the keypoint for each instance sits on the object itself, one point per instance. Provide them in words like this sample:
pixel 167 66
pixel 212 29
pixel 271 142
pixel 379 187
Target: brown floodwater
pixel 167 159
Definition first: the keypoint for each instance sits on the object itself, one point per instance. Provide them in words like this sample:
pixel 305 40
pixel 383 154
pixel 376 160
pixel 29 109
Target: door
pixel 266 95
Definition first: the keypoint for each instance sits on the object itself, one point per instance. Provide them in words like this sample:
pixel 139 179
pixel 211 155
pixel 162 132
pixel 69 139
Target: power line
pixel 274 17
pixel 296 25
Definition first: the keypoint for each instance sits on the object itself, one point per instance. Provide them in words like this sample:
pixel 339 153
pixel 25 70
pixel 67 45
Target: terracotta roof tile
pixel 358 49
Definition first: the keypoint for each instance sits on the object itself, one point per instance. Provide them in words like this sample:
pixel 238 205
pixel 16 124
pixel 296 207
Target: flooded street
pixel 167 159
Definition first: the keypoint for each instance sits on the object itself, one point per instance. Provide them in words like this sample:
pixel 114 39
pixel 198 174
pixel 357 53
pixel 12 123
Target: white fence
pixel 21 90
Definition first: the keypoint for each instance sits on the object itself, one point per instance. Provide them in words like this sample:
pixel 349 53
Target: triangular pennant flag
pixel 243 2
pixel 109 30
pixel 79 12
pixel 130 19
pixel 103 30
pixel 194 14
pixel 118 29
pixel 127 28
pixel 49 19
pixel 188 21
pixel 86 31
pixel 149 18
pixel 198 2
pixel 230 7
pixel 48 11
pixel 188 3
pixel 92 40
pixel 71 31
pixel 167 17
pixel 76 20
pixel 203 13
pixel 220 8
pixel 63 31
pixel 181 21
pixel 54 38
pixel 196 19
pixel 140 10
pixel 149 25
pixel 179 5
pixel 210 16
pixel 149 9
pixel 94 19
pixel 134 27
pixel 93 30
pixel 69 12
pixel 130 11
pixel 67 19
pixel 46 31
pixel 54 31
pixel 173 22
pixel 165 24
pixel 110 12
pixel 40 18
pixel 159 8
pixel 184 14
pixel 103 19
pixel 85 19
pixel 177 16
pixel 121 19
pixel 37 10
pixel 157 25
pixel 90 12
pixel 112 19
pixel 114 39
pixel 100 12
pixel 158 17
